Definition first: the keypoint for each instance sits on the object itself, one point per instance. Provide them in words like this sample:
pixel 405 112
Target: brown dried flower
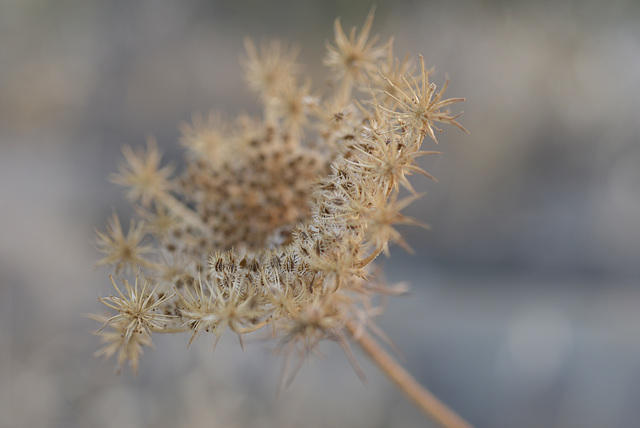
pixel 276 222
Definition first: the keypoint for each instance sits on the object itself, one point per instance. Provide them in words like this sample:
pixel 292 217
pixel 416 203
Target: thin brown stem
pixel 428 402
pixel 371 257
pixel 179 209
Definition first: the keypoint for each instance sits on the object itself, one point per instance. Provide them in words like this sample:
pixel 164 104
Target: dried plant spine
pixel 275 223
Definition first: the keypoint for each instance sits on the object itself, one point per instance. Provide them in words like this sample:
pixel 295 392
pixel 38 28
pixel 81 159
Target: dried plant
pixel 275 223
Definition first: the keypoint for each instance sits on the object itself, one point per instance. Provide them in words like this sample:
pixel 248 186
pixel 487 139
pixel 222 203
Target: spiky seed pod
pixel 276 222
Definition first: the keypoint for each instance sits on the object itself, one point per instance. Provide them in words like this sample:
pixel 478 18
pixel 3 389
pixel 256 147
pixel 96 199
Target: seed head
pixel 354 58
pixel 125 253
pixel 136 318
pixel 420 106
pixel 142 173
pixel 275 222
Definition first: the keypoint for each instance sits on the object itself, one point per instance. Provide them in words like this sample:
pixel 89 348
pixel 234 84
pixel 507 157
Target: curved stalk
pixel 371 257
pixel 179 209
pixel 427 402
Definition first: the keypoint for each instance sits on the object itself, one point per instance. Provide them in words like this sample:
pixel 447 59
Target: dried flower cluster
pixel 275 222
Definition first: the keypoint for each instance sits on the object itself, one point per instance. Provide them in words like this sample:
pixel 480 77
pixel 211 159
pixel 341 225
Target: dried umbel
pixel 275 223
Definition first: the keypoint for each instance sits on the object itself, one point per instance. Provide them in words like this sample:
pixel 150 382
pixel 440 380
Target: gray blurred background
pixel 525 294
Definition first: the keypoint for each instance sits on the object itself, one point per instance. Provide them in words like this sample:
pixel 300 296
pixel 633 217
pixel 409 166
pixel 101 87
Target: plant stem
pixel 179 209
pixel 428 402
pixel 371 257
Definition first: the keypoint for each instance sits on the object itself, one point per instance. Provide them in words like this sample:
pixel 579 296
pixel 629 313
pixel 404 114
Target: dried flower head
pixel 354 59
pixel 116 342
pixel 136 318
pixel 271 67
pixel 420 105
pixel 142 174
pixel 275 223
pixel 124 253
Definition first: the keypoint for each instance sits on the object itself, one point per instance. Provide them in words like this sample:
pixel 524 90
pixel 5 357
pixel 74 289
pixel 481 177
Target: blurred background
pixel 525 298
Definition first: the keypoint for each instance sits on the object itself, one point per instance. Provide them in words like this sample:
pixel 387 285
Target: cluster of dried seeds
pixel 275 222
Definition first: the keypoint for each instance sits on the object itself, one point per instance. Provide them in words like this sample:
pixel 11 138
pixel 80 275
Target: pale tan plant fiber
pixel 275 222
